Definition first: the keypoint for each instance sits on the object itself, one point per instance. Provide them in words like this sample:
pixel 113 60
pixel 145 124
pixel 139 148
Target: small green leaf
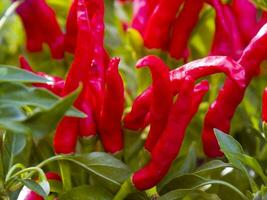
pixel 212 166
pixel 18 95
pixel 260 4
pixel 86 192
pixel 32 185
pixel 14 74
pixel 38 123
pixel 180 194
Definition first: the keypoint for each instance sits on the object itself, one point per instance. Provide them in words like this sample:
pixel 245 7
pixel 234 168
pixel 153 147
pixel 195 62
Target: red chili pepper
pixel 71 28
pixel 56 85
pixel 196 69
pixel 246 16
pixel 169 144
pixel 227 40
pixel 158 27
pixel 141 15
pixel 27 194
pixel 67 131
pixel 231 95
pixel 66 136
pixel 183 27
pixel 41 26
pixel 162 98
pixel 110 130
pixel 264 106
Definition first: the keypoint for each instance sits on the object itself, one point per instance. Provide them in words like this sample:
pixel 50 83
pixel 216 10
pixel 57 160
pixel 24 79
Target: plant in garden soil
pixel 133 99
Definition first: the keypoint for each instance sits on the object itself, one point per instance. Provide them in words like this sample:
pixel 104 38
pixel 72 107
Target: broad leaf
pixel 14 74
pixel 32 185
pixel 86 192
pixel 18 95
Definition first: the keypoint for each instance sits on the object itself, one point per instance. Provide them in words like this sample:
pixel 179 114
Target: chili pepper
pixel 183 27
pixel 135 120
pixel 246 16
pixel 41 26
pixel 264 106
pixel 162 98
pixel 66 136
pixel 27 194
pixel 231 95
pixel 195 69
pixel 141 15
pixel 71 28
pixel 67 131
pixel 158 27
pixel 55 85
pixel 169 144
pixel 110 130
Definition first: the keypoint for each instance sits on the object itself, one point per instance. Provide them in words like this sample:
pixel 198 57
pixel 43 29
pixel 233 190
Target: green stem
pixel 65 175
pixel 152 193
pixel 9 12
pixel 12 170
pixel 126 188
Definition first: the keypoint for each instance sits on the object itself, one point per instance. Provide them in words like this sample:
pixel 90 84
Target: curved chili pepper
pixel 67 131
pixel 66 136
pixel 246 16
pixel 231 95
pixel 41 26
pixel 141 15
pixel 110 130
pixel 264 106
pixel 195 69
pixel 183 27
pixel 27 194
pixel 71 28
pixel 169 144
pixel 227 40
pixel 162 98
pixel 56 85
pixel 158 27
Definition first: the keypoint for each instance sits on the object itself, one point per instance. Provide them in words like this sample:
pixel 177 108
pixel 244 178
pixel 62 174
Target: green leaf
pixel 192 182
pixel 193 193
pixel 32 185
pixel 38 123
pixel 212 166
pixel 231 148
pixel 103 165
pixel 14 74
pixel 18 95
pixel 86 192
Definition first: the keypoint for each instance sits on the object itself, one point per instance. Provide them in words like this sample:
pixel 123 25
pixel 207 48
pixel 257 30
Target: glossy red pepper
pixel 183 27
pixel 231 95
pixel 195 69
pixel 41 26
pixel 227 40
pixel 71 28
pixel 158 27
pixel 141 13
pixel 162 98
pixel 264 106
pixel 67 131
pixel 56 83
pixel 110 129
pixel 169 144
pixel 246 16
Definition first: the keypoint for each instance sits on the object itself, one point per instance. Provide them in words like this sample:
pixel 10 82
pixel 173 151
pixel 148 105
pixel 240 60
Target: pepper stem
pixel 65 175
pixel 126 188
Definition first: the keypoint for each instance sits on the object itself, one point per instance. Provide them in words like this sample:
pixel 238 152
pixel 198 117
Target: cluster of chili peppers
pixel 174 97
pixel 168 25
